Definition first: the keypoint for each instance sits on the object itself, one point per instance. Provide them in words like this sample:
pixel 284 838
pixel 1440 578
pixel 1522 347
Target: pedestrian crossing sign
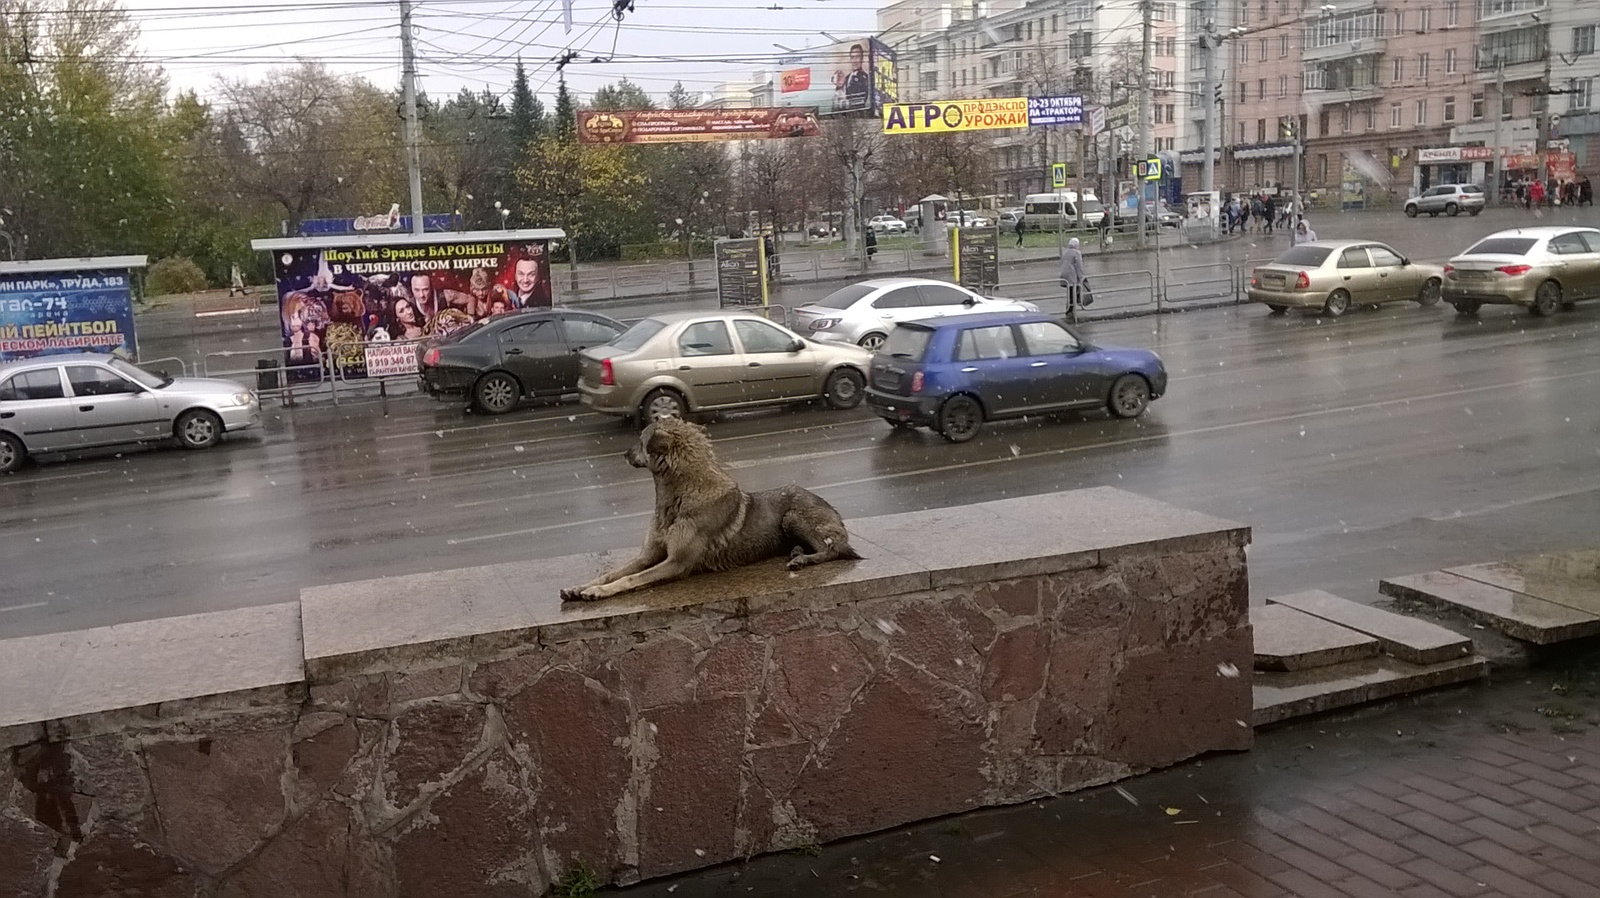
pixel 1058 175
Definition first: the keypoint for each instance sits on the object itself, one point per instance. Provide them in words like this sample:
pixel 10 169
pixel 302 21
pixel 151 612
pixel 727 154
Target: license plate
pixel 1272 281
pixel 1471 275
pixel 886 380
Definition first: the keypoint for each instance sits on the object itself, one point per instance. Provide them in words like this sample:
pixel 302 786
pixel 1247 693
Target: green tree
pixel 566 113
pixel 527 113
pixel 622 95
pixel 594 193
pixel 679 97
pixel 468 158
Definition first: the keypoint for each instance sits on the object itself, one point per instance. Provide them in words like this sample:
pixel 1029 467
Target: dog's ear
pixel 656 440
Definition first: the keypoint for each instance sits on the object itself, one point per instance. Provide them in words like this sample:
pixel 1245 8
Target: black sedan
pixel 497 361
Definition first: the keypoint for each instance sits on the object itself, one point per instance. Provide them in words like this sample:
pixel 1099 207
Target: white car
pixel 971 220
pixel 886 224
pixel 864 313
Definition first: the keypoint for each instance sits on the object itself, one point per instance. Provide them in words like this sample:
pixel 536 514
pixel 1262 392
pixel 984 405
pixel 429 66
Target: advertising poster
pixel 48 313
pixel 949 116
pixel 333 302
pixel 858 75
pixel 1352 188
pixel 976 257
pixel 638 126
pixel 741 272
pixel 1063 110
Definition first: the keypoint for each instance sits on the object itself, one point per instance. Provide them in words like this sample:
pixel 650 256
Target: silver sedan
pixel 57 403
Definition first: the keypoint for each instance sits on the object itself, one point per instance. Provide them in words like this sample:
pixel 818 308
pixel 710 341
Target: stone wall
pixel 444 742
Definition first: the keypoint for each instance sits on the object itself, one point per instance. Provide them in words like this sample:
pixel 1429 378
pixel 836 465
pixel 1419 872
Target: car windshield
pixel 1502 246
pixel 638 335
pixel 844 297
pixel 1304 255
pixel 907 343
pixel 1472 188
pixel 144 377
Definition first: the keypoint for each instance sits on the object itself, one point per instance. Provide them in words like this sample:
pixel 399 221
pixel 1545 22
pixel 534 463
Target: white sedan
pixel 886 224
pixel 864 313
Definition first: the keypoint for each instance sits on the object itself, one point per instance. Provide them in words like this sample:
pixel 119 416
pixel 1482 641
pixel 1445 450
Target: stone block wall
pixel 646 743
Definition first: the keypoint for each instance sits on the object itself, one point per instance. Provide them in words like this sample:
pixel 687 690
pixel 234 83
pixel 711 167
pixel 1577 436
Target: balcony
pixel 1502 15
pixel 1344 37
pixel 1523 52
pixel 1325 96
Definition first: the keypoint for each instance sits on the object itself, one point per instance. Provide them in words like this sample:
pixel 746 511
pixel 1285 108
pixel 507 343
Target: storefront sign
pixel 338 297
pixel 387 359
pixel 694 125
pixel 955 115
pixel 46 311
pixel 1065 110
pixel 975 255
pixel 1445 155
pixel 741 272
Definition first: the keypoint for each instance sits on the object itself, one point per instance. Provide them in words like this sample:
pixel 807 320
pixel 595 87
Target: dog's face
pixel 664 440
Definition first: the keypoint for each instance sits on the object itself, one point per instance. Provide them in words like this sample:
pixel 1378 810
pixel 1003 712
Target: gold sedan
pixel 1332 275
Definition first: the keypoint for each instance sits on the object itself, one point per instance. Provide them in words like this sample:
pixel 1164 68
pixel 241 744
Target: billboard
pixel 1063 110
pixel 949 116
pixel 51 312
pixel 340 301
pixel 638 126
pixel 859 75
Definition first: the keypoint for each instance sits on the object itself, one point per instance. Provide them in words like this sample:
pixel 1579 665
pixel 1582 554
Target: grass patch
pixel 578 882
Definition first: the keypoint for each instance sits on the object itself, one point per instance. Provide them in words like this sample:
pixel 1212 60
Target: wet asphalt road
pixel 1382 443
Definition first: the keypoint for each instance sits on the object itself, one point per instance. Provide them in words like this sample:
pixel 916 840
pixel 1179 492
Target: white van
pixel 1044 211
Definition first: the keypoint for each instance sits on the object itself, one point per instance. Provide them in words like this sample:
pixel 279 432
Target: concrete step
pixel 1564 578
pixel 1406 638
pixel 1516 614
pixel 1284 695
pixel 1287 639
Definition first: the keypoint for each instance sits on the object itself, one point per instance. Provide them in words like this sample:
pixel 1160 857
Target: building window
pixel 1422 68
pixel 1261 130
pixel 1580 94
pixel 1422 112
pixel 1450 61
pixel 1344 119
pixel 1172 113
pixel 1424 20
pixel 1452 13
pixel 1244 94
pixel 1261 89
pixel 1244 53
pixel 1261 52
pixel 1241 132
pixel 1506 99
pixel 1283 45
pixel 1449 109
pixel 1583 40
pixel 1372 116
pixel 1394 115
pixel 1283 85
pixel 1477 107
pixel 1399 71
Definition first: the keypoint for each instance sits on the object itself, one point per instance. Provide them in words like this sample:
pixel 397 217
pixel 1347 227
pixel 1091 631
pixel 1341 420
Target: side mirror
pixel 1404 261
pixel 796 345
pixel 969 302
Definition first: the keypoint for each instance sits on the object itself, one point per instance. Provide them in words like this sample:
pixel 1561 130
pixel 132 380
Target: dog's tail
pixel 849 553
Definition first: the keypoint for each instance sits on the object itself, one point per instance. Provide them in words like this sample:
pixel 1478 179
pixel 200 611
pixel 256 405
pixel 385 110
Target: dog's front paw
pixel 574 594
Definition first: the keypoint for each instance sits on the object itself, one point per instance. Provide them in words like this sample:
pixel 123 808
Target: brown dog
pixel 705 522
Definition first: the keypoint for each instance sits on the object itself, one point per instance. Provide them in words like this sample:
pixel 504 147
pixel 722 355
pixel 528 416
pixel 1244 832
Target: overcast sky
pixel 475 43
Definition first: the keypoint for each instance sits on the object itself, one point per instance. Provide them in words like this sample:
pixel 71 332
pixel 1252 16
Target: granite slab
pixel 1564 578
pixel 1515 614
pixel 1406 638
pixel 125 666
pixel 1279 696
pixel 1287 639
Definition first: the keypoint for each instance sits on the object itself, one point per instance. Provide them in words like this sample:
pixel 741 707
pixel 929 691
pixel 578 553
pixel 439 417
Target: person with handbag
pixel 1073 277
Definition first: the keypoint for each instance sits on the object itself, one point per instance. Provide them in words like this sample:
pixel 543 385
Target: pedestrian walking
pixel 1020 229
pixel 1536 193
pixel 871 244
pixel 1585 192
pixel 236 281
pixel 1272 213
pixel 1303 232
pixel 1073 277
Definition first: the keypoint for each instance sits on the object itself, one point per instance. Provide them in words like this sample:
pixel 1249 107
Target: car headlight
pixel 242 398
pixel 822 324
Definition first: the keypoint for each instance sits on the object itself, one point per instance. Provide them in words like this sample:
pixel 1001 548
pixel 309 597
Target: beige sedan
pixel 683 362
pixel 1333 275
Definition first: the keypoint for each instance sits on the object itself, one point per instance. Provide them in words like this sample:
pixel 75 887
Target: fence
pixel 1199 283
pixel 269 376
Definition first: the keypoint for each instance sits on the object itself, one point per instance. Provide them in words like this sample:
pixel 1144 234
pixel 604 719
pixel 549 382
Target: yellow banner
pixel 955 115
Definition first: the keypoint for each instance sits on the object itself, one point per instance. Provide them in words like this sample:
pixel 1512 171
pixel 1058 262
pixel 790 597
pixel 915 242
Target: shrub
pixel 174 274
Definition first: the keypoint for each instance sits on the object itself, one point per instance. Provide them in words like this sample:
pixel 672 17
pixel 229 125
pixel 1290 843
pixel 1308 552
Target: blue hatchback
pixel 952 374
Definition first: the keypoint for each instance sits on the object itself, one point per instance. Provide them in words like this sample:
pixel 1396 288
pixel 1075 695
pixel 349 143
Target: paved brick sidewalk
pixel 1484 791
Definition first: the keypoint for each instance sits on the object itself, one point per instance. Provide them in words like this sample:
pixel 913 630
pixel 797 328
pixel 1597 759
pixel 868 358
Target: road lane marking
pixel 459 541
pixel 1502 506
pixel 26 607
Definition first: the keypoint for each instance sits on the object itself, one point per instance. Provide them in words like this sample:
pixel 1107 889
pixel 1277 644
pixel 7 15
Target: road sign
pixel 1058 174
pixel 1149 169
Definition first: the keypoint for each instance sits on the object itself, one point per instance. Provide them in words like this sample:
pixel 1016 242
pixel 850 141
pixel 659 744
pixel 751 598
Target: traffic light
pixel 1287 128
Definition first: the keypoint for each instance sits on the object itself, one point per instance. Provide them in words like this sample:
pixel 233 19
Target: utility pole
pixel 409 86
pixel 1147 7
pixel 1499 146
pixel 1299 147
pixel 1208 38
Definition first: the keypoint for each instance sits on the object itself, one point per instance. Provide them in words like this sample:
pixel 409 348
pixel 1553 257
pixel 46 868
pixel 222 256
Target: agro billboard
pixel 47 310
pixel 694 125
pixel 949 116
pixel 857 75
pixel 335 298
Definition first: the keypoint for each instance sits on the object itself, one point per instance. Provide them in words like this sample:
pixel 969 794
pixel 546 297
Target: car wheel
pixel 1452 210
pixel 1277 309
pixel 1338 302
pixel 1411 211
pixel 662 403
pixel 1430 293
pixel 843 389
pixel 198 429
pixel 1547 301
pixel 1130 396
pixel 496 393
pixel 960 419
pixel 12 453
pixel 1466 307
pixel 871 342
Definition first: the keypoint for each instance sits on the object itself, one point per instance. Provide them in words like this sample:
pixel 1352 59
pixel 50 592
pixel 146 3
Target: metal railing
pixel 1198 283
pixel 1114 291
pixel 348 354
pixel 269 380
pixel 183 366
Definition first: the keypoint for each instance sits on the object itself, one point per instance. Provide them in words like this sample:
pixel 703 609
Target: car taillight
pixel 608 377
pixel 916 382
pixel 431 357
pixel 1254 282
pixel 1449 269
pixel 1302 281
pixel 1514 270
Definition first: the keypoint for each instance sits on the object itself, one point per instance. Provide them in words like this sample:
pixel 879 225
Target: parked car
pixel 953 374
pixel 970 219
pixel 821 229
pixel 886 224
pixel 1541 268
pixel 865 313
pixel 83 400
pixel 495 362
pixel 1008 219
pixel 1331 275
pixel 683 362
pixel 1451 199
